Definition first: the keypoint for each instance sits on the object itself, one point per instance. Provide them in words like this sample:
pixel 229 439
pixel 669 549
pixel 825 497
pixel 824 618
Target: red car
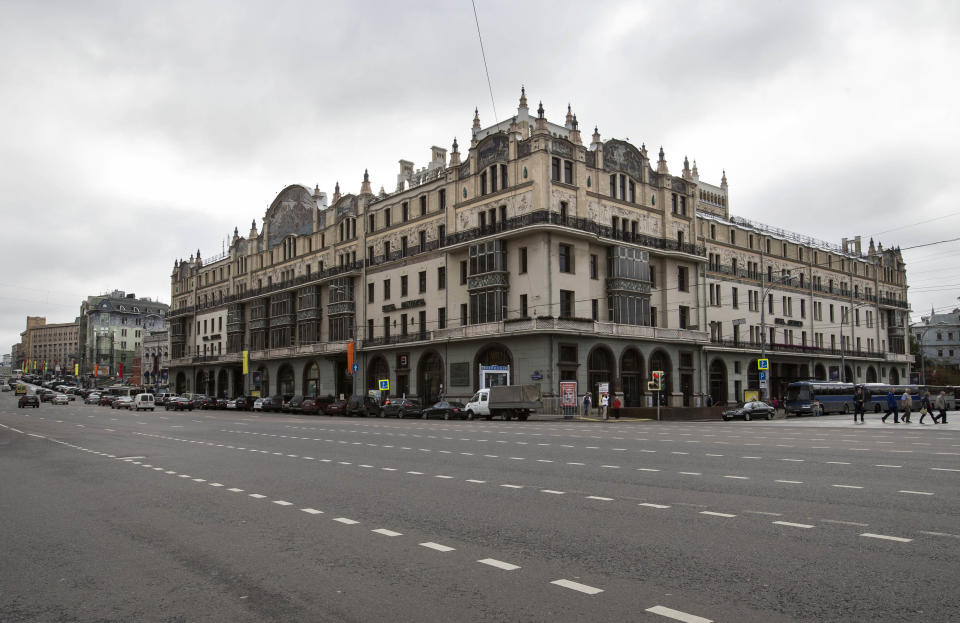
pixel 337 407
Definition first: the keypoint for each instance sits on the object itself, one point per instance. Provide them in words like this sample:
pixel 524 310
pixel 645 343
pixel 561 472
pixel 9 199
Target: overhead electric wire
pixel 484 55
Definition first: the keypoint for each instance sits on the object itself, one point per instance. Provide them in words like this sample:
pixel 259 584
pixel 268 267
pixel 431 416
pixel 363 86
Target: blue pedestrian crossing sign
pixel 762 375
pixel 356 368
pixel 763 364
pixel 384 385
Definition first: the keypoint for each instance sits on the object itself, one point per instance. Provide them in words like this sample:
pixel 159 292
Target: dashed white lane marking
pixel 437 546
pixel 944 469
pixel 690 473
pixel 845 523
pixel 169 471
pixel 847 486
pixel 955 536
pixel 386 532
pixel 552 491
pixel 716 514
pixel 257 496
pixel 512 486
pixel 33 435
pixel 713 454
pixel 235 490
pixel 790 482
pixel 212 484
pixel 443 476
pixel 916 492
pixel 574 463
pixel 416 473
pixel 886 537
pixel 647 469
pixel 475 481
pixel 837 463
pixel 738 477
pixel 677 615
pixel 577 586
pixel 888 465
pixel 597 497
pixel 767 513
pixel 651 505
pixel 199 480
pixel 283 503
pixel 499 564
pixel 312 511
pixel 790 524
pixel 346 521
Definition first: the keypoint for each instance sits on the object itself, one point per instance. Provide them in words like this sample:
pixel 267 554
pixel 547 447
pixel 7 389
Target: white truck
pixel 505 401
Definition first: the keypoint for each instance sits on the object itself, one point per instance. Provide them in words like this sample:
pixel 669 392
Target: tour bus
pixel 122 390
pixel 835 397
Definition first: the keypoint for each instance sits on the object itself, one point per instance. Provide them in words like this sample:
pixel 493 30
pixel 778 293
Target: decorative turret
pixel 336 192
pixel 455 154
pixel 540 111
pixel 253 229
pixel 365 186
pixel 596 138
pixel 873 248
pixel 686 169
pixel 723 180
pixel 695 173
pixel 662 164
pixel 475 129
pixel 568 123
pixel 382 193
pixel 575 132
pixel 236 235
pixel 523 99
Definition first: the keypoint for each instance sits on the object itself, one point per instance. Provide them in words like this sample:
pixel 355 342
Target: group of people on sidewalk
pixel 603 406
pixel 902 411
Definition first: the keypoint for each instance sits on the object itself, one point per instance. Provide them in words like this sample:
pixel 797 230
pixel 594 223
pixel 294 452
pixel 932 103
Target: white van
pixel 143 401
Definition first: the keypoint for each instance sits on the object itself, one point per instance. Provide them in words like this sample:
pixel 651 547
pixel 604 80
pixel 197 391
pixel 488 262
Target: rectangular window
pixel 803 308
pixel 403 324
pixel 523 305
pixel 632 189
pixel 566 258
pixel 483 183
pixel 423 281
pixel 442 318
pixel 735 300
pixel 568 172
pixel 463 272
pixel 523 260
pixel 555 169
pixel 386 329
pixel 566 303
pixel 594 271
pixel 386 217
pixel 769 303
pixel 441 277
pixel 370 292
pixel 406 212
pixel 403 286
pixel 442 199
pixel 594 309
pixel 682 284
pixel 463 314
pixel 684 316
pixel 386 289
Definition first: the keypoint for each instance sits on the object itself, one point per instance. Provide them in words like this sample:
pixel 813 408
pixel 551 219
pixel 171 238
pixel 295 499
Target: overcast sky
pixel 134 133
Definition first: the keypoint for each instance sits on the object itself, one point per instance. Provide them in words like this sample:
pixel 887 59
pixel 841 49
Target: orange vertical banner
pixel 350 350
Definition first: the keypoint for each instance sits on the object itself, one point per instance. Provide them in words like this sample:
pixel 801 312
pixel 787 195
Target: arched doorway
pixel 894 376
pixel 848 375
pixel 631 375
pixel 820 373
pixel 377 369
pixel 599 370
pixel 493 355
pixel 871 374
pixel 311 379
pixel 204 383
pixel 238 388
pixel 285 380
pixel 222 384
pixel 718 382
pixel 343 380
pixel 180 383
pixel 660 361
pixel 430 378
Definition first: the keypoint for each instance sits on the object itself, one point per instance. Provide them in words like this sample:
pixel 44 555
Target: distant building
pixel 939 338
pixel 155 356
pixel 112 327
pixel 50 348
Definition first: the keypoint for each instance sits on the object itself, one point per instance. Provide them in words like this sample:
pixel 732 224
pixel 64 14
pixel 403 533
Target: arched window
pixel 311 379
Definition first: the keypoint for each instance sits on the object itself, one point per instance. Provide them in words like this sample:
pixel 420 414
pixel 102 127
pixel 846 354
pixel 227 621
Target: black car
pixel 293 405
pixel 753 409
pixel 28 400
pixel 445 410
pixel 245 403
pixel 363 405
pixel 401 408
pixel 178 403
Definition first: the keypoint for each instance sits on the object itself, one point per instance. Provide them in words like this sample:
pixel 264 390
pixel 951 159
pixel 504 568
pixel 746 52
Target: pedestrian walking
pixel 926 408
pixel 941 405
pixel 906 402
pixel 586 404
pixel 709 400
pixel 891 408
pixel 604 401
pixel 616 407
pixel 858 404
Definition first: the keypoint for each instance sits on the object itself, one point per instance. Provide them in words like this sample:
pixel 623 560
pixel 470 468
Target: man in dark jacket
pixel 891 408
pixel 858 404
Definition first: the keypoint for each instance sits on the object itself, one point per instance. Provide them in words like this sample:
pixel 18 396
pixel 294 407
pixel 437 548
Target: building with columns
pixel 533 257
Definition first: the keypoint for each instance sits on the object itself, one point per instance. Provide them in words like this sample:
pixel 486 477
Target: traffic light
pixel 657 382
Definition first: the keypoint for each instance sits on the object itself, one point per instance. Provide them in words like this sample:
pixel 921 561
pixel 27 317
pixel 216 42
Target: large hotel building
pixel 533 258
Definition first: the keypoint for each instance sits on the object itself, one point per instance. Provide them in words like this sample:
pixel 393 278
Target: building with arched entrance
pixel 534 256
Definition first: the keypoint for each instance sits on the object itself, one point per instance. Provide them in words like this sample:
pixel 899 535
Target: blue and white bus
pixel 835 397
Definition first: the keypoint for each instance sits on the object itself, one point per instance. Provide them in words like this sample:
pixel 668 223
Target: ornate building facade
pixel 112 328
pixel 532 258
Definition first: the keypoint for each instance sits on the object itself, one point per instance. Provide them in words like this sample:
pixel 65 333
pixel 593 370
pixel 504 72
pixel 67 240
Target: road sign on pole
pixel 356 368
pixel 763 364
pixel 762 375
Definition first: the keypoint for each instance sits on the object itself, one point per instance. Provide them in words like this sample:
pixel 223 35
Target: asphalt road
pixel 212 516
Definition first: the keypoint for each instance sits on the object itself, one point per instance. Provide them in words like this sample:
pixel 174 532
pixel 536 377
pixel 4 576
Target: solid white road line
pixel 677 615
pixel 386 532
pixel 898 539
pixel 715 514
pixel 793 525
pixel 346 521
pixel 499 564
pixel 577 586
pixel 437 546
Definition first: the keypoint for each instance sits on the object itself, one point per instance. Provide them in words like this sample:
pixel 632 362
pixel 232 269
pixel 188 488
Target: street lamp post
pixel 843 357
pixel 923 358
pixel 764 394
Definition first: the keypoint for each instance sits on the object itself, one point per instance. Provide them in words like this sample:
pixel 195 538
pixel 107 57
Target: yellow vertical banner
pixel 76 369
pixel 246 362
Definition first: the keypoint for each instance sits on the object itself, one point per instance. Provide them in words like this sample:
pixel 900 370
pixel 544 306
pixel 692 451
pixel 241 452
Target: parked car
pixel 27 400
pixel 310 406
pixel 752 409
pixel 363 405
pixel 60 399
pixel 245 403
pixel 204 402
pixel 46 395
pixel 93 398
pixel 445 410
pixel 178 403
pixel 401 408
pixel 231 404
pixel 144 401
pixel 337 407
pixel 293 405
pixel 257 405
pixel 106 400
pixel 4 388
pixel 122 402
pixel 161 398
